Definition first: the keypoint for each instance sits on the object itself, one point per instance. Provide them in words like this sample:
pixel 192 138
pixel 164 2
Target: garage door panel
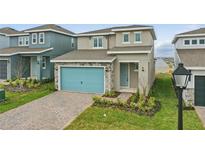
pixel 82 79
pixel 200 90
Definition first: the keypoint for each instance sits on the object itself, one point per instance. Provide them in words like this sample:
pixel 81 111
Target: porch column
pixel 143 77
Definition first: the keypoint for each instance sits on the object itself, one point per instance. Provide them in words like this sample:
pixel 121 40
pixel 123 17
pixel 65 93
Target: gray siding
pixel 4 41
pixel 13 41
pixel 47 44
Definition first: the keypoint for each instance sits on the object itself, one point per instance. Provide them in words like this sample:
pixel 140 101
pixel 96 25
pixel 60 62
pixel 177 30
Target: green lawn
pixel 14 100
pixel 165 119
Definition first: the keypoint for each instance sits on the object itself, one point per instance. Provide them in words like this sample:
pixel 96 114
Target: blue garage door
pixel 82 79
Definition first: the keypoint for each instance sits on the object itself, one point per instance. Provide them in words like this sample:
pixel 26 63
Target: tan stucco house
pixel 190 50
pixel 117 58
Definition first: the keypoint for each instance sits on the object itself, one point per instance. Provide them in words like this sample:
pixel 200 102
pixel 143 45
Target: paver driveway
pixel 50 112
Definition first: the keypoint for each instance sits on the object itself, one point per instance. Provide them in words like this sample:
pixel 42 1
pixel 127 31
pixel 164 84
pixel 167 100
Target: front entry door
pixel 34 68
pixel 124 74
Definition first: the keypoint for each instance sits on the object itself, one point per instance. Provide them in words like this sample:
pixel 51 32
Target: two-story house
pixel 27 53
pixel 117 58
pixel 190 50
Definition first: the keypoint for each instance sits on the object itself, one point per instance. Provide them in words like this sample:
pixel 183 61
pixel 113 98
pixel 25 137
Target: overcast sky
pixel 164 32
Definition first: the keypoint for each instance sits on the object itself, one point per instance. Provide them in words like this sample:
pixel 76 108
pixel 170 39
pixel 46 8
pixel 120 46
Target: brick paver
pixel 201 113
pixel 54 111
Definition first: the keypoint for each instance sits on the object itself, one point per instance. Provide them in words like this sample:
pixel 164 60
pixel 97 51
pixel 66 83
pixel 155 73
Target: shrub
pixel 111 94
pixel 147 105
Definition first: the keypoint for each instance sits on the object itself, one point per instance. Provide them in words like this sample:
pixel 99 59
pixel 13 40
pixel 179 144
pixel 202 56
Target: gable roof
pixel 192 57
pixel 51 27
pixel 193 33
pixel 112 30
pixel 7 31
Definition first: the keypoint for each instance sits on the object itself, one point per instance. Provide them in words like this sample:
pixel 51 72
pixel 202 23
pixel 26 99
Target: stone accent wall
pixel 188 96
pixel 109 72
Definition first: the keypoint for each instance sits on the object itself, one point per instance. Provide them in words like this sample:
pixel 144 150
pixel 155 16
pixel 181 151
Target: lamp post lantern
pixel 181 78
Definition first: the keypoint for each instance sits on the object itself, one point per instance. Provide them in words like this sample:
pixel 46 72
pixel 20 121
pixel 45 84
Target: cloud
pixel 164 49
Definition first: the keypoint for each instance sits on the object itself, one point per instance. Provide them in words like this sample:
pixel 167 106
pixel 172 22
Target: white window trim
pixel 26 38
pixel 44 58
pixel 201 39
pixel 128 38
pixel 39 38
pixel 97 42
pixel 135 37
pixel 22 39
pixel 186 44
pixel 33 37
pixel 197 43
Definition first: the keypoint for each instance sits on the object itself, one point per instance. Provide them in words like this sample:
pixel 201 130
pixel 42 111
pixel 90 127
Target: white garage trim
pixel 59 73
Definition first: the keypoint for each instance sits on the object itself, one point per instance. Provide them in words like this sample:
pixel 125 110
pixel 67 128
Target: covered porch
pixel 128 76
pixel 24 62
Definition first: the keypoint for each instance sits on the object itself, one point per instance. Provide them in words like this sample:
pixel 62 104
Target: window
pixel 44 63
pixel 20 41
pixel 34 38
pixel 97 42
pixel 41 38
pixel 186 42
pixel 194 42
pixel 202 41
pixel 72 43
pixel 26 40
pixel 138 37
pixel 126 38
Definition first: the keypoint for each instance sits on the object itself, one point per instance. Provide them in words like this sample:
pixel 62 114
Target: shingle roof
pixel 21 50
pixel 192 57
pixel 107 30
pixel 52 27
pixel 85 55
pixel 197 31
pixel 10 31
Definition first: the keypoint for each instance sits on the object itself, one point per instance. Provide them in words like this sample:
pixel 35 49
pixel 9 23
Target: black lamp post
pixel 181 78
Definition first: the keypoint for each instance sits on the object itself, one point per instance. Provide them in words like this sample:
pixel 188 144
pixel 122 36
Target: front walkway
pixel 54 111
pixel 201 113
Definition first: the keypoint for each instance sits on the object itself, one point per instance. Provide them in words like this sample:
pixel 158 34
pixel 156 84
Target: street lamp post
pixel 181 78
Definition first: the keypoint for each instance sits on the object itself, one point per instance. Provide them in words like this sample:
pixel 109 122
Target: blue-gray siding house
pixel 28 53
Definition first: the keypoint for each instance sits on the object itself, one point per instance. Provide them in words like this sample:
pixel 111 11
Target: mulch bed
pixel 16 89
pixel 116 95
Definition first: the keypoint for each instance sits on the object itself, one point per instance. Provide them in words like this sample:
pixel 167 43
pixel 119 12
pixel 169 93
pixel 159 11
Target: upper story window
pixel 20 41
pixel 72 42
pixel 97 42
pixel 41 38
pixel 194 42
pixel 23 41
pixel 34 38
pixel 126 38
pixel 201 41
pixel 186 42
pixel 137 38
pixel 26 39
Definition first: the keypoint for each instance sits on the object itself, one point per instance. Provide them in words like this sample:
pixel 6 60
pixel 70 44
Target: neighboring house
pixel 190 50
pixel 27 53
pixel 118 58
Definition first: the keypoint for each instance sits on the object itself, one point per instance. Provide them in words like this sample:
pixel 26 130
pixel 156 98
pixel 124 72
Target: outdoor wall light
pixel 142 69
pixel 181 78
